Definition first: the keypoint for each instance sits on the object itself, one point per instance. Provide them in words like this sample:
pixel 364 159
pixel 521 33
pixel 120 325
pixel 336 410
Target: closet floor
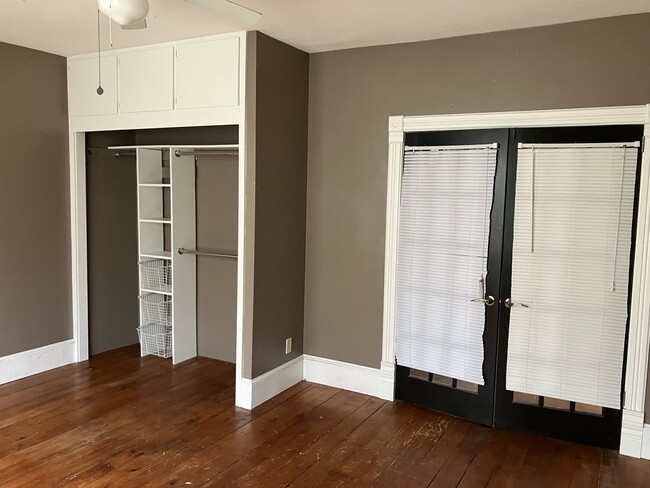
pixel 121 420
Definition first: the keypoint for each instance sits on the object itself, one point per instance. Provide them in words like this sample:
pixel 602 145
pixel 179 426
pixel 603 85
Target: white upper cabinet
pixel 83 78
pixel 175 84
pixel 207 74
pixel 146 80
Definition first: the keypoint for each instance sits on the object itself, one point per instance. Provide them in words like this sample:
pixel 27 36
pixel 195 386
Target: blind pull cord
pixel 618 220
pixel 532 202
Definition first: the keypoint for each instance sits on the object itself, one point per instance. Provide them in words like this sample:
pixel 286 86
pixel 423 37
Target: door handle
pixel 488 301
pixel 509 304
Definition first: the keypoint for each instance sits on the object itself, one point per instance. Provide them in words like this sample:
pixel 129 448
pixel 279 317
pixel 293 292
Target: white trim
pixel 246 227
pixel 639 337
pixel 277 380
pixel 244 393
pixel 79 244
pixel 635 114
pixel 34 361
pixel 645 443
pixel 347 376
pixel 631 433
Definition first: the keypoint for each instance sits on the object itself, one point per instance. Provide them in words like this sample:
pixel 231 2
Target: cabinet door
pixel 207 74
pixel 146 80
pixel 83 77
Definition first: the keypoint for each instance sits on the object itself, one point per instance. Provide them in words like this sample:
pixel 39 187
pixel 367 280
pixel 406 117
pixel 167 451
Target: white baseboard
pixel 352 377
pixel 258 390
pixel 34 361
pixel 632 433
pixel 244 393
pixel 645 446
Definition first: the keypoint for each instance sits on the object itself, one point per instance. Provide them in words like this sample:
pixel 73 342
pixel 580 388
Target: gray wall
pixel 216 278
pixel 595 63
pixel 282 77
pixel 111 198
pixel 35 276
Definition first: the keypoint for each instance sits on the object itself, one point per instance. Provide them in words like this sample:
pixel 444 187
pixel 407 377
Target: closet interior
pixel 176 294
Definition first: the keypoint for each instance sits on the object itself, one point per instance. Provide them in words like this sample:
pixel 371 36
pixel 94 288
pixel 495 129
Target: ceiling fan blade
pixel 230 9
pixel 136 25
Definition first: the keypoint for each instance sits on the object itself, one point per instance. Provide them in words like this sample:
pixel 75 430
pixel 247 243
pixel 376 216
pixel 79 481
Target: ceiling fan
pixel 132 14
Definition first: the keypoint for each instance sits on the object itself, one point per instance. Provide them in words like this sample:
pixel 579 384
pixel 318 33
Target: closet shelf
pixel 157 220
pixel 156 254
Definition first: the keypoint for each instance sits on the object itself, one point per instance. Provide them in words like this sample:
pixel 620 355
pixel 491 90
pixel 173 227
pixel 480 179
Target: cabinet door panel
pixel 207 74
pixel 82 86
pixel 146 80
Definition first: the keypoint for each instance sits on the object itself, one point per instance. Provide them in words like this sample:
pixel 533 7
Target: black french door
pixel 447 394
pixel 492 404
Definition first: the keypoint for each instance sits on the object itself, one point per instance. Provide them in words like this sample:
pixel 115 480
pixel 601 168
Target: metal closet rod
pixel 92 151
pixel 182 250
pixel 178 153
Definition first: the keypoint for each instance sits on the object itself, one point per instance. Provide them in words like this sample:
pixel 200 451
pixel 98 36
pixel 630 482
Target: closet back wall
pixel 35 276
pixel 111 199
pixel 353 92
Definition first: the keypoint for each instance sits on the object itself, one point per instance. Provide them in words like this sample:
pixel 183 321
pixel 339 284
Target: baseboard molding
pixel 254 392
pixel 34 361
pixel 347 376
pixel 645 446
pixel 632 433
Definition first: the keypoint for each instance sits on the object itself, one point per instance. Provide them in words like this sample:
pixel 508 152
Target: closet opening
pixel 128 281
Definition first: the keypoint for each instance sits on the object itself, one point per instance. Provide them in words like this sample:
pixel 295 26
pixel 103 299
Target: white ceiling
pixel 69 27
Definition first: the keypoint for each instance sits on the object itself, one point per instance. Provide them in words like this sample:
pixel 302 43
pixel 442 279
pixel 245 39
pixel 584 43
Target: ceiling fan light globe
pixel 124 12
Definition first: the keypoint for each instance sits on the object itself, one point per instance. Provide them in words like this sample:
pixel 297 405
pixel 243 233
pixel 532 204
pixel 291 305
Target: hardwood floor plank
pixel 405 467
pixel 612 470
pixel 122 420
pixel 254 468
pixel 637 473
pixel 319 449
pixel 480 470
pixel 359 448
pixel 454 469
pixel 587 466
pixel 535 466
pixel 237 443
pixel 507 469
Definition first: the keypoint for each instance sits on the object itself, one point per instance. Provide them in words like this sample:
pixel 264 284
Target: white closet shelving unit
pixel 166 223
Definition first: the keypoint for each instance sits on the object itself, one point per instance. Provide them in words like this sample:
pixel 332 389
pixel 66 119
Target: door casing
pixel 638 337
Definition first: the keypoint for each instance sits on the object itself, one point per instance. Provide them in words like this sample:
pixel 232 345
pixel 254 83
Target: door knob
pixel 509 304
pixel 489 300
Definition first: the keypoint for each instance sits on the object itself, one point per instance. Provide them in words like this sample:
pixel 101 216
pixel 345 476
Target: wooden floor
pixel 121 420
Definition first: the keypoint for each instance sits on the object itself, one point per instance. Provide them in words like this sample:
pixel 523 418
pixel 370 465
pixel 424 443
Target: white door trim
pixel 638 340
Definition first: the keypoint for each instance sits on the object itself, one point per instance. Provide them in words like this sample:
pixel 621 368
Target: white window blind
pixel 444 227
pixel 570 267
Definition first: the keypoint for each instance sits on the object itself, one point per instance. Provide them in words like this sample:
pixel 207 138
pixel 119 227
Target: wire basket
pixel 156 309
pixel 156 274
pixel 155 339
